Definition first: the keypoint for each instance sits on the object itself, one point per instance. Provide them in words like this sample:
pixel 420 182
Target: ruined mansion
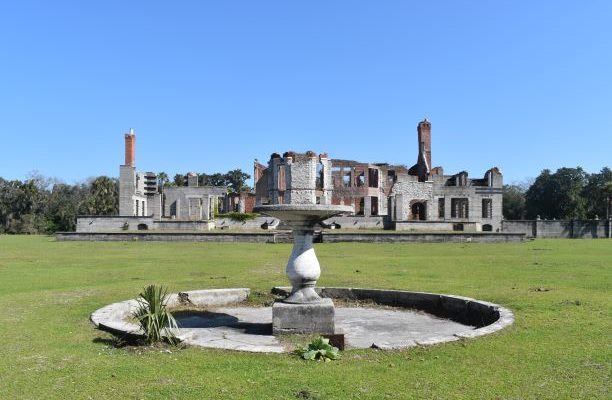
pixel 419 198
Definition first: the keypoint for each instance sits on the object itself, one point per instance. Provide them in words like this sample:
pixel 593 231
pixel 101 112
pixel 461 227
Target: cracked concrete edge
pixel 397 346
pixel 437 340
pixel 222 344
pixel 505 316
pixel 114 318
pixel 229 343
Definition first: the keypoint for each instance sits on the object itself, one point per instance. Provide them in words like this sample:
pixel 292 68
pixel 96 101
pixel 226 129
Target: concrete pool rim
pixel 485 317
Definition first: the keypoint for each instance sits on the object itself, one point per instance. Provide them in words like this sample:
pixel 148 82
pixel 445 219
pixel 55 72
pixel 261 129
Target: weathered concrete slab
pixel 249 328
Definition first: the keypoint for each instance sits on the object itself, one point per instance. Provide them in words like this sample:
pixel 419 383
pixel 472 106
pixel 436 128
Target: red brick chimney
pixel 424 130
pixel 130 148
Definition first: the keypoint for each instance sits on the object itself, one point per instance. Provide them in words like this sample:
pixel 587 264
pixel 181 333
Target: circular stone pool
pixel 386 319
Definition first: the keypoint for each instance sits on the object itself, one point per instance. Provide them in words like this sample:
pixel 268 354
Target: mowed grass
pixel 558 348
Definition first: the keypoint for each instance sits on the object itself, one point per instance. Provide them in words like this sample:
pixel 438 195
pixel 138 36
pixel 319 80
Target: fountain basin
pixel 407 319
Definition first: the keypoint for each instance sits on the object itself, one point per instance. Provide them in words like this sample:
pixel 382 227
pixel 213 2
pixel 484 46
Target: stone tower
pixel 132 199
pixel 130 148
pixel 424 133
pixel 299 178
pixel 422 168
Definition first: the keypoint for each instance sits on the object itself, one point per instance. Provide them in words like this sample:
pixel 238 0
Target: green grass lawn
pixel 559 347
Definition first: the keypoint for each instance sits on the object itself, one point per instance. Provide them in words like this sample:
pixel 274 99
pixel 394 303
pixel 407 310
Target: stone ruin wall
pixel 408 192
pixel 300 178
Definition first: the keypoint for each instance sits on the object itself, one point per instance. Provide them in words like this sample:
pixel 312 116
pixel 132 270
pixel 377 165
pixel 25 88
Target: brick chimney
pixel 130 148
pixel 424 130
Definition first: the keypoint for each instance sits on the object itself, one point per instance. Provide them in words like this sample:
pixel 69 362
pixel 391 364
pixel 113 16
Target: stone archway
pixel 418 211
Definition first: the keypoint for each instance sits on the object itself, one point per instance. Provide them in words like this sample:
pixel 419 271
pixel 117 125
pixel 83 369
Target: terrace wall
pixel 579 229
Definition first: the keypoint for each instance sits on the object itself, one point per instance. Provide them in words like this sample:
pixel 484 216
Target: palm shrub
pixel 153 315
pixel 319 349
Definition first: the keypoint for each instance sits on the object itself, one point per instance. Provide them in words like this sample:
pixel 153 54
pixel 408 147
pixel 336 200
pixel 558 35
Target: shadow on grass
pixel 117 342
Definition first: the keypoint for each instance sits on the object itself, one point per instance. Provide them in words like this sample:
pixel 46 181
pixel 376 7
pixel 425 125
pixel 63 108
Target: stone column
pixel 367 206
pixel 399 207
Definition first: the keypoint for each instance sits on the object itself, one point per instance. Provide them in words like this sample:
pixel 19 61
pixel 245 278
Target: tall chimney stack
pixel 424 131
pixel 130 148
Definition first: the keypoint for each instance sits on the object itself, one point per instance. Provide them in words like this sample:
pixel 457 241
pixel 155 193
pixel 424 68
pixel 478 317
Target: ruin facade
pixel 140 194
pixel 144 204
pixel 421 197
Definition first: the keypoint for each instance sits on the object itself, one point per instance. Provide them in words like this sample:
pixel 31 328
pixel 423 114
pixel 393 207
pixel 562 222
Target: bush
pixel 153 316
pixel 320 350
pixel 237 216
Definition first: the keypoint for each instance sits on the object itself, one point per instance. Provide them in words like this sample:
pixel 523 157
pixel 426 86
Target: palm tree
pixel 104 196
pixel 162 180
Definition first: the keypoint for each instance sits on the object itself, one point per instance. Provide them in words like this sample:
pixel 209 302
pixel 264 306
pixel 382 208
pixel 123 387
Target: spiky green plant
pixel 319 349
pixel 154 318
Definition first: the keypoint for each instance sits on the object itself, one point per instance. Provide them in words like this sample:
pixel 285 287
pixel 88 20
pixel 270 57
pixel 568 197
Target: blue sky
pixel 211 85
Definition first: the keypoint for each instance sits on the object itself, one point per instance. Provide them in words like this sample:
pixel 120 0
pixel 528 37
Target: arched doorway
pixel 487 228
pixel 417 211
pixel 143 227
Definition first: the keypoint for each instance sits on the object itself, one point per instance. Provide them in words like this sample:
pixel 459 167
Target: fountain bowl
pixel 303 215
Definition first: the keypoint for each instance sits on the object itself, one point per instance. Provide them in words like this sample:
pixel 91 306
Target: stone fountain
pixel 303 311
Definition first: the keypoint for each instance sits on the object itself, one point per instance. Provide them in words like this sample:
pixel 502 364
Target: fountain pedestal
pixel 303 311
pixel 303 318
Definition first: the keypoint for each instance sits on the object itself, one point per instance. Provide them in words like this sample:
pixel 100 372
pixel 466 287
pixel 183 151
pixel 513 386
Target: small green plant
pixel 238 216
pixel 320 350
pixel 153 316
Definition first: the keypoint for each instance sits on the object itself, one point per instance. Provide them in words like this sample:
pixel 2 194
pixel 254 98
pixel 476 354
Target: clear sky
pixel 211 85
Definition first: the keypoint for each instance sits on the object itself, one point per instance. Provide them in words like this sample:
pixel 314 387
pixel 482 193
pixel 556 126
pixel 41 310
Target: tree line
pixel 568 193
pixel 45 205
pixel 234 180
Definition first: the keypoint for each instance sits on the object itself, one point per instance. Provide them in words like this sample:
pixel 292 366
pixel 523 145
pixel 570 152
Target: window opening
pixel 487 208
pixel 374 205
pixel 372 177
pixel 459 208
pixel 417 211
pixel 320 176
pixel 346 179
pixel 441 207
pixel 360 206
pixel 360 179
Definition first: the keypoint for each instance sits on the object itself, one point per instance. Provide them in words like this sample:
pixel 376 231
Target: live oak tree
pixel 598 193
pixel 513 202
pixel 236 180
pixel 558 195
